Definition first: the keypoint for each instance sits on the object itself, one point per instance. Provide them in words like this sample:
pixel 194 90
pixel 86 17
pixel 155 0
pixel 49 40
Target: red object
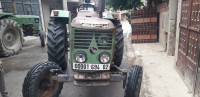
pixel 1 63
pixel 153 36
pixel 140 20
pixel 154 19
pixel 147 20
pixel 144 26
pixel 134 37
pixel 133 21
pixel 141 37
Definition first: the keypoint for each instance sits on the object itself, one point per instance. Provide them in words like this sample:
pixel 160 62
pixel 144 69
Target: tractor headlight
pixel 37 20
pixel 104 57
pixel 80 57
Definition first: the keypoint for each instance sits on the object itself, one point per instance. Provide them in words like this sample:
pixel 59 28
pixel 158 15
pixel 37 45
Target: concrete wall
pixel 177 29
pixel 172 26
pixel 65 7
pixel 0 7
pixel 45 13
pixel 167 31
pixel 56 4
pixel 162 8
pixel 48 5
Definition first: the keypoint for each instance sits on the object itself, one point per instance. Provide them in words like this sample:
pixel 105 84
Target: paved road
pixel 17 67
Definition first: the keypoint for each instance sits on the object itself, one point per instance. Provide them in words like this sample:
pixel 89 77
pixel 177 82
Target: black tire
pixel 119 44
pixel 57 42
pixel 38 83
pixel 133 82
pixel 42 38
pixel 11 37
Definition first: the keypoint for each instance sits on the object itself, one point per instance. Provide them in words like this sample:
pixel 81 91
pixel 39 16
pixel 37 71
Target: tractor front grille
pixel 83 39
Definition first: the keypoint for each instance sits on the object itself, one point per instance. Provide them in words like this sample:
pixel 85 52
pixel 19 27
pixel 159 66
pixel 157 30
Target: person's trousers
pixel 2 84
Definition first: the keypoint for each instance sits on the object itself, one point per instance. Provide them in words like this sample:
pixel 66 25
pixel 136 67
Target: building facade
pixel 179 34
pixel 40 8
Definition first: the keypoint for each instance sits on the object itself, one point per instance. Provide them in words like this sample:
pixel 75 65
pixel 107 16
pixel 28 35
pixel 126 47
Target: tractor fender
pixel 60 14
pixel 5 16
pixel 63 15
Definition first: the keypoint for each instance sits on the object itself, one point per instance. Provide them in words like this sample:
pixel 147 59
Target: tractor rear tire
pixel 133 82
pixel 38 82
pixel 11 37
pixel 119 44
pixel 57 42
pixel 42 38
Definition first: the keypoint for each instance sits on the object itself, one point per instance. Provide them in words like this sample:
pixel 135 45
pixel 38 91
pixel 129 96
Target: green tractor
pixel 12 30
pixel 90 54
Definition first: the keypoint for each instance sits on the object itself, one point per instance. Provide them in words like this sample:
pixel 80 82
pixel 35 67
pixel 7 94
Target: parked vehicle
pixel 95 49
pixel 14 28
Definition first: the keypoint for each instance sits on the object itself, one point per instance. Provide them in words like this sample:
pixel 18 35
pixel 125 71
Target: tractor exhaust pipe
pixel 100 6
pixel 87 1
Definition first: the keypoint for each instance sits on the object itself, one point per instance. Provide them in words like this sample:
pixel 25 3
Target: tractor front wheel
pixel 11 37
pixel 39 83
pixel 133 82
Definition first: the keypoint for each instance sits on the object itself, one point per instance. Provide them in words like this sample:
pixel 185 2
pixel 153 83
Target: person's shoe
pixel 5 94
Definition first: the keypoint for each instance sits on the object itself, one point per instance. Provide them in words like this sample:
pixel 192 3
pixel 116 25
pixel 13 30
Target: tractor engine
pixel 92 42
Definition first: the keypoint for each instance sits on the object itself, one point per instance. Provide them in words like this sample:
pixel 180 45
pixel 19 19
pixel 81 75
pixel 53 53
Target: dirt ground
pixel 160 78
pixel 16 68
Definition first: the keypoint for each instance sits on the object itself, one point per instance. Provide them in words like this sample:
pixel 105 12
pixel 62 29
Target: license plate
pixel 82 66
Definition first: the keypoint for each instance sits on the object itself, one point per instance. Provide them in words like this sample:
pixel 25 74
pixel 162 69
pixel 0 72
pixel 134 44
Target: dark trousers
pixel 2 84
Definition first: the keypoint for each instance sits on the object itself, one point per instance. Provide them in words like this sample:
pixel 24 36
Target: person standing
pixel 2 81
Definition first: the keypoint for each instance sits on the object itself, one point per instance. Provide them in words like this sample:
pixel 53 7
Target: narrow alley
pixel 160 77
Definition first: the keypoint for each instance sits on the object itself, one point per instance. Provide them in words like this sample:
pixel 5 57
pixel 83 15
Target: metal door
pixel 188 42
pixel 7 5
pixel 24 7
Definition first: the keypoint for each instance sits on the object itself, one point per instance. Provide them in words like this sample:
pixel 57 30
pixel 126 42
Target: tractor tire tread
pixel 133 83
pixel 119 44
pixel 6 52
pixel 56 43
pixel 32 77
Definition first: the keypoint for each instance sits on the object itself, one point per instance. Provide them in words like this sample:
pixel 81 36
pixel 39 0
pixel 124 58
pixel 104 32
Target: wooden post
pixel 65 7
pixel 14 8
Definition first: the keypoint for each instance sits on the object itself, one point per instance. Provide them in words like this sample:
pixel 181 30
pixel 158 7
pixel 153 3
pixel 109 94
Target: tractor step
pixel 92 76
pixel 91 83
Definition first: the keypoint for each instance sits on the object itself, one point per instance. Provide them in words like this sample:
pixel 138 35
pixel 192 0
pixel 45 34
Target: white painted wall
pixel 172 26
pixel 177 29
pixel 65 7
pixel 162 9
pixel 45 13
pixel 0 7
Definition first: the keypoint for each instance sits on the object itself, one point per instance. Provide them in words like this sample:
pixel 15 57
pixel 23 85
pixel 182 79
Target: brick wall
pixel 144 26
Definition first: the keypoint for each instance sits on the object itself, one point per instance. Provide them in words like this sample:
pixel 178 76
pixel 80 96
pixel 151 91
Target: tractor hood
pixel 7 14
pixel 92 22
pixel 27 16
pixel 18 16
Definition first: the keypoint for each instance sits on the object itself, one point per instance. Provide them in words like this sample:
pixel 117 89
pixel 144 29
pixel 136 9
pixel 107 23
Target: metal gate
pixel 187 63
pixel 24 7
